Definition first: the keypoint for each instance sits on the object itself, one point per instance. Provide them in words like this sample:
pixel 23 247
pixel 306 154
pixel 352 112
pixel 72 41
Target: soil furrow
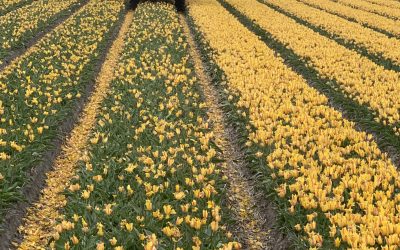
pixel 255 217
pixel 41 217
pixel 32 190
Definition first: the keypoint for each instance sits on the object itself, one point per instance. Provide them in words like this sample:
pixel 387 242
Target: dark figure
pixel 180 5
pixel 133 4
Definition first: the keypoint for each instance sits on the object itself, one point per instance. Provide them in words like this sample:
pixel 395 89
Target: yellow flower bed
pixel 333 184
pixel 6 4
pixel 358 77
pixel 375 42
pixel 19 25
pixel 363 17
pixel 149 179
pixel 370 7
pixel 41 217
pixel 388 3
pixel 39 90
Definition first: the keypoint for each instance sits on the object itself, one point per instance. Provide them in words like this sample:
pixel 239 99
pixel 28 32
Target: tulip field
pixel 235 124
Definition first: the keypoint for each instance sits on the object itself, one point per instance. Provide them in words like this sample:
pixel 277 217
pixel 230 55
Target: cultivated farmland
pixel 226 124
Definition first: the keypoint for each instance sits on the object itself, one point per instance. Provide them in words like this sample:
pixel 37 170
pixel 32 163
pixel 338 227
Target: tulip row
pixel 150 177
pixel 18 26
pixel 387 3
pixel 383 24
pixel 9 5
pixel 42 216
pixel 373 42
pixel 333 186
pixel 40 89
pixel 357 77
pixel 371 7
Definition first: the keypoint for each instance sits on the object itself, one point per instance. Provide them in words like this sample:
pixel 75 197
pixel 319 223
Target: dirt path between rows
pixel 39 223
pixel 9 236
pixel 254 215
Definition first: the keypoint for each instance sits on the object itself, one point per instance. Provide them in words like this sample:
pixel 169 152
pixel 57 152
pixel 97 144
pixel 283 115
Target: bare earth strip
pixel 254 218
pixel 39 223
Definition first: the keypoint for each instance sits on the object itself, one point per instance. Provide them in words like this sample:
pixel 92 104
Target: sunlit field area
pixel 199 124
